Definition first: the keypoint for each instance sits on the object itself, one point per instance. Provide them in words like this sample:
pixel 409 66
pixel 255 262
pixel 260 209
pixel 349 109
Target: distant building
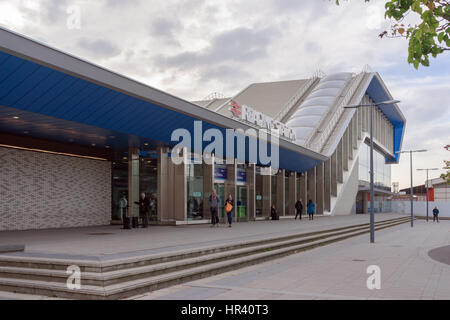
pixel 438 190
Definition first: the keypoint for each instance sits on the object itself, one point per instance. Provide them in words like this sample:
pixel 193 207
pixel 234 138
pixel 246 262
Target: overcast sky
pixel 192 48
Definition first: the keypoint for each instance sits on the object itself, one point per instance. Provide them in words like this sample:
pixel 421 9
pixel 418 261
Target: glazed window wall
pixel 383 129
pixel 259 192
pixel 194 179
pixel 148 183
pixel 274 180
pixel 382 171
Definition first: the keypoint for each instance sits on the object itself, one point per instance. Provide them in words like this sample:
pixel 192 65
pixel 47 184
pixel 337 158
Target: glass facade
pixel 382 171
pixel 148 183
pixel 194 180
pixel 258 192
pixel 119 187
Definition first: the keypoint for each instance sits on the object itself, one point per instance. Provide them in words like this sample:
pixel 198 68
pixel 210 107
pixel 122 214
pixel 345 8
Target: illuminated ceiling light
pixel 146 144
pixel 52 152
pixel 107 147
pixel 93 144
pixel 16 117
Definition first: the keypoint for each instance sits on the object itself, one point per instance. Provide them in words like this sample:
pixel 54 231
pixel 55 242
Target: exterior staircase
pixel 122 278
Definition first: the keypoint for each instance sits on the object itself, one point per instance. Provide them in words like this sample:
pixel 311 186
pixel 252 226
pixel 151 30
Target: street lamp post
pixel 412 188
pixel 427 169
pixel 372 193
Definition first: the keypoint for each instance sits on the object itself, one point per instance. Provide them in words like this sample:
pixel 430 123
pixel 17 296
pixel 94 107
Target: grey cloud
pixel 165 29
pixel 99 47
pixel 54 11
pixel 122 3
pixel 225 72
pixel 237 45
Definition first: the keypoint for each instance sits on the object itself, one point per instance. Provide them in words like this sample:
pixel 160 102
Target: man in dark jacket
pixel 274 213
pixel 144 207
pixel 435 214
pixel 214 202
pixel 299 208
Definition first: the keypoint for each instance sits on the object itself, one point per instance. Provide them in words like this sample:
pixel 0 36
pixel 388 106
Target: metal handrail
pixel 319 142
pixel 293 101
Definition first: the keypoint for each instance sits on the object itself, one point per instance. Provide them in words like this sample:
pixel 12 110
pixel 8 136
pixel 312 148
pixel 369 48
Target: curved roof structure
pixel 317 104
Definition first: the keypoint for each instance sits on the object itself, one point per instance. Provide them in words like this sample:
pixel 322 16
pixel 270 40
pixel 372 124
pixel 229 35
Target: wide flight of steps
pixel 116 279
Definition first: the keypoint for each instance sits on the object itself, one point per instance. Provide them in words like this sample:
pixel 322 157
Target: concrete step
pixel 204 266
pixel 144 260
pixel 138 272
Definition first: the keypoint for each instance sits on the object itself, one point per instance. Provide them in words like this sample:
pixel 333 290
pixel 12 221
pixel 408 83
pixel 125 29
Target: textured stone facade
pixel 42 190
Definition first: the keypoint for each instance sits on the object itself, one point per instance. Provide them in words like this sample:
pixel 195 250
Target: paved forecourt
pixel 112 242
pixel 339 271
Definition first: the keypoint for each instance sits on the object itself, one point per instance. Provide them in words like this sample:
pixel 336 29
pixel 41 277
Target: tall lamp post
pixel 412 189
pixel 372 193
pixel 427 169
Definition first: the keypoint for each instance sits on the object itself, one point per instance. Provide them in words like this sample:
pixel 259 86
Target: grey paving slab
pixel 88 244
pixel 339 271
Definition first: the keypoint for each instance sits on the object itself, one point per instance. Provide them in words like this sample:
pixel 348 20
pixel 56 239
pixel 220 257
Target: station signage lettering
pixel 261 120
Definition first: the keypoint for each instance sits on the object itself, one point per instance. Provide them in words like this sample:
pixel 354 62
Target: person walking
pixel 311 208
pixel 229 209
pixel 274 213
pixel 436 214
pixel 299 208
pixel 214 201
pixel 144 207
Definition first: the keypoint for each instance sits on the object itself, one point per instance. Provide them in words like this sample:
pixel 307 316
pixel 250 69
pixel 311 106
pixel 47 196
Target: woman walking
pixel 229 209
pixel 311 208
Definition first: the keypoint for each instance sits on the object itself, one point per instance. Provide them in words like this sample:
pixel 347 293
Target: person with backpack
pixel 436 214
pixel 229 209
pixel 299 208
pixel 311 209
pixel 214 201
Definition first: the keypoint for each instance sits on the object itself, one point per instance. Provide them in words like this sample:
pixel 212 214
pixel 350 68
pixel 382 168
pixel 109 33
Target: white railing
pixel 319 142
pixel 293 101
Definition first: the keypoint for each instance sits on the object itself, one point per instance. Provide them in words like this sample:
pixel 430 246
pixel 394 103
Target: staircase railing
pixel 295 98
pixel 318 143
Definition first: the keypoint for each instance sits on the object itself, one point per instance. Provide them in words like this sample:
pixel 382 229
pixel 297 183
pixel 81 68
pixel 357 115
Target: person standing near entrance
pixel 144 207
pixel 229 209
pixel 299 208
pixel 311 209
pixel 436 214
pixel 274 213
pixel 123 205
pixel 214 201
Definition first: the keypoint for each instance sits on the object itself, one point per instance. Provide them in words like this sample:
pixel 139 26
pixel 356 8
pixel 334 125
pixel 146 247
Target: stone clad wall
pixel 42 190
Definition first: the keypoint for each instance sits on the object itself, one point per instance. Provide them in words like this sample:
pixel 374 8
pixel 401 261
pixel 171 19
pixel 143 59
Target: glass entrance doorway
pixel 241 212
pixel 220 191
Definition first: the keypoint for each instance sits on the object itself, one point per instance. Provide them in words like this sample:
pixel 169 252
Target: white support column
pixel 292 192
pixel 320 190
pixel 280 192
pixel 133 181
